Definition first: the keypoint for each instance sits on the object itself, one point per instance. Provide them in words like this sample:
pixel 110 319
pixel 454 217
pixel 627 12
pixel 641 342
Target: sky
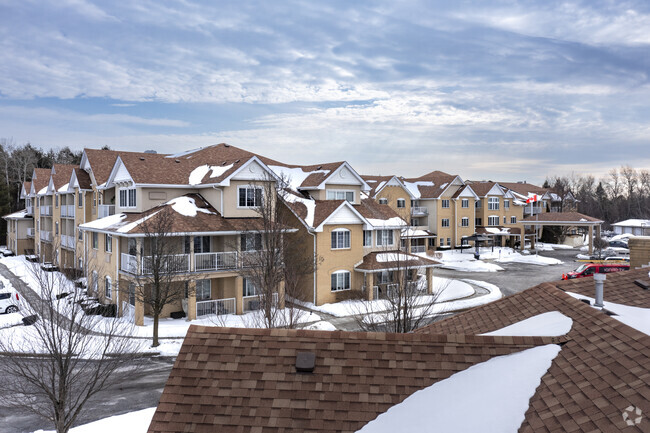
pixel 499 90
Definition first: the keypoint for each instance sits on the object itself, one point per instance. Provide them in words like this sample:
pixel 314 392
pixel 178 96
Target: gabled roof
pixel 61 174
pixel 378 183
pixel 600 371
pixel 25 189
pixel 80 179
pixel 561 217
pixel 524 188
pixel 40 180
pixel 466 191
pixel 430 185
pixel 308 177
pixel 393 260
pixel 227 379
pixel 483 188
pixel 633 223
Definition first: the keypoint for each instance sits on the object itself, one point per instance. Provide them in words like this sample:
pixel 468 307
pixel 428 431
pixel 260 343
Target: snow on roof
pixel 412 187
pixel 197 175
pixel 294 176
pixel 127 228
pixel 633 223
pixel 550 324
pixel 492 396
pixel 42 191
pixel 64 188
pixel 497 230
pixel 186 206
pixel 104 223
pixel 634 317
pixel 394 257
pixel 411 232
pixel 184 153
pixel 443 185
pixel 309 204
pixel 390 222
pixel 17 215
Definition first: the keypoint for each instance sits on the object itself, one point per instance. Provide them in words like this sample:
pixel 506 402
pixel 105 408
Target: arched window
pixel 340 239
pixel 340 281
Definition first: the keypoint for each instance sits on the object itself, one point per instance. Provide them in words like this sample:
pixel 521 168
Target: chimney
pixel 599 279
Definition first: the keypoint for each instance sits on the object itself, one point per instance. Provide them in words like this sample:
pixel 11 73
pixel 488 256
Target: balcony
pixel 419 211
pixel 215 306
pixel 46 210
pixel 67 211
pixel 418 249
pixel 105 210
pixel 67 241
pixel 216 261
pixel 535 210
pixel 29 210
pixel 180 263
pixel 46 236
pixel 30 232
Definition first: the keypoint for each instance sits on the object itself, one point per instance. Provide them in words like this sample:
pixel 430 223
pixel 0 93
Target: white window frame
pixel 513 220
pixel 94 240
pixel 444 222
pixel 249 188
pixel 492 219
pixel 108 243
pixel 367 238
pixel 464 222
pixel 249 289
pixel 506 204
pixel 340 275
pixel 464 203
pixel 445 203
pixel 336 240
pixel 493 203
pixel 383 200
pixel 402 202
pixel 108 287
pixel 129 199
pixel 80 199
pixel 382 238
pixel 340 194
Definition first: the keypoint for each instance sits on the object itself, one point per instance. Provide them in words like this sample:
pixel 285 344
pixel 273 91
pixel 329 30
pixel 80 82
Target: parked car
pixel 617 259
pixel 589 269
pixel 9 301
pixel 618 244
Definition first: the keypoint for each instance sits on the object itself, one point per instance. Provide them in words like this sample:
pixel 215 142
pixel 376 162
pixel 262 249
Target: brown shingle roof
pixel 570 217
pixel 524 188
pixel 27 186
pixel 482 188
pixel 375 182
pixel 440 181
pixel 83 178
pixel 42 178
pixel 232 380
pixel 62 174
pixel 599 372
pixel 370 209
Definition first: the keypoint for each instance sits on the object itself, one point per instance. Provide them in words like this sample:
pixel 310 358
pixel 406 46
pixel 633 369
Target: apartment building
pixel 498 213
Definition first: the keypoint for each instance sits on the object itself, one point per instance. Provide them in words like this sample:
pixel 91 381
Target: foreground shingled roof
pixel 245 380
pixel 600 371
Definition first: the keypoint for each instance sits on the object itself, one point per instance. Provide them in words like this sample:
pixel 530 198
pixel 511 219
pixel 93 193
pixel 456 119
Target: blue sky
pixel 500 90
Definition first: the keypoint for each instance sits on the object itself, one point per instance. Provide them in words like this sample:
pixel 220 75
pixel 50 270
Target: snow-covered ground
pixel 464 261
pixel 132 422
pixel 634 317
pixel 11 319
pixel 491 396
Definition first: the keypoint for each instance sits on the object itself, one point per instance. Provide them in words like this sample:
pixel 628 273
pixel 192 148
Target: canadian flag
pixel 532 198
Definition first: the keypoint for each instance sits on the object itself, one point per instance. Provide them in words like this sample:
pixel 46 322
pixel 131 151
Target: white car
pixel 9 301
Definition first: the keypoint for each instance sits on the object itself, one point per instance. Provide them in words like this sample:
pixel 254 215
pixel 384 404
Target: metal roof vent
pixel 142 158
pixel 150 151
pixel 643 284
pixel 319 167
pixel 237 161
pixel 305 362
pixel 226 145
pixel 224 163
pixel 177 161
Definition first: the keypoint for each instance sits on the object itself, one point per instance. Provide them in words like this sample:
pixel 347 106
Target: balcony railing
pixel 67 241
pixel 46 235
pixel 30 232
pixel 178 263
pixel 215 306
pixel 129 263
pixel 46 210
pixel 254 302
pixel 30 210
pixel 216 261
pixel 67 211
pixel 418 248
pixel 418 210
pixel 106 210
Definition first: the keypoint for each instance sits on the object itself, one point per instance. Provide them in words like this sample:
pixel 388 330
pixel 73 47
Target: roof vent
pixel 226 145
pixel 150 151
pixel 237 161
pixel 177 161
pixel 305 362
pixel 319 167
pixel 642 284
pixel 224 163
pixel 142 158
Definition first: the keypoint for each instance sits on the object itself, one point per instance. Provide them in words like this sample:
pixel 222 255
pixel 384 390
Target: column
pixel 429 274
pixel 139 311
pixel 239 295
pixel 191 300
pixel 370 283
pixel 591 239
pixel 281 295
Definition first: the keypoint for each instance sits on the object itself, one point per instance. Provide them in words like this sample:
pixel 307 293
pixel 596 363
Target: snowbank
pixel 132 422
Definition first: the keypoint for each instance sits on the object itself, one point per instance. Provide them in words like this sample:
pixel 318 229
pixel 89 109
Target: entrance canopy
pixel 570 219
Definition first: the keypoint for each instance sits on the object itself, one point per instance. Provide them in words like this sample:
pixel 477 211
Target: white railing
pixel 67 211
pixel 46 235
pixel 67 241
pixel 177 263
pixel 215 261
pixel 128 263
pixel 254 302
pixel 106 210
pixel 418 248
pixel 30 231
pixel 417 210
pixel 215 306
pixel 46 210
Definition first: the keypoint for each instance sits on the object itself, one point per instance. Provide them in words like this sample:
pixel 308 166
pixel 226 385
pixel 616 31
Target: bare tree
pixel 53 367
pixel 156 282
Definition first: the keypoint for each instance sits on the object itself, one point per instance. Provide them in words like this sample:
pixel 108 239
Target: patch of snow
pixel 131 422
pixel 321 326
pixel 10 319
pixel 412 187
pixel 186 206
pixel 391 222
pixel 197 175
pixel 134 224
pixel 42 191
pixel 634 317
pixel 381 185
pixel 464 261
pixel 104 223
pixel 309 204
pixel 64 188
pixel 550 324
pixel 443 185
pixel 294 176
pixel 411 232
pixel 492 396
pixel 514 257
pixel 394 257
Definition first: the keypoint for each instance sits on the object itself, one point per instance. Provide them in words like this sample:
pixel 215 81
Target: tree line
pixel 623 194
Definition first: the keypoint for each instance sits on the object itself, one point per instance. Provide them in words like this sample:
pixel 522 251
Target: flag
pixel 532 198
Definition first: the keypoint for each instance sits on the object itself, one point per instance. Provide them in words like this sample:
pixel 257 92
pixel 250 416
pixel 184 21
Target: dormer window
pixel 127 197
pixel 249 196
pixel 335 194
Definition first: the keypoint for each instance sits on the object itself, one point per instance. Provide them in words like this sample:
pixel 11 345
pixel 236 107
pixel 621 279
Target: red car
pixel 588 269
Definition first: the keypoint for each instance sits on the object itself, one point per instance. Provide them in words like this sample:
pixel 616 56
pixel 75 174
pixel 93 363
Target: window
pixel 445 222
pixel 442 242
pixel 249 242
pixel 107 288
pixel 80 199
pixel 95 240
pixel 340 239
pixel 383 201
pixel 250 196
pixel 464 203
pixel 401 203
pixel 94 281
pixel 506 204
pixel 384 277
pixel 464 222
pixel 493 203
pixel 56 227
pixel 127 197
pixel 445 203
pixel 80 263
pixel 504 219
pixel 448 242
pixel 249 288
pixel 56 200
pixel 132 294
pixel 132 246
pixel 477 204
pixel 335 194
pixel 478 221
pixel 384 238
pixel 415 222
pixel 340 281
pixel 108 243
pixel 513 220
pixel 204 290
pixel 493 220
pixel 80 234
pixel 201 244
pixel 367 238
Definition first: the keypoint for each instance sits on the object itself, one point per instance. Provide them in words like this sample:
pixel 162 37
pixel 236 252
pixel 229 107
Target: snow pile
pixel 514 257
pixel 634 317
pixel 104 223
pixel 394 257
pixel 199 173
pixel 551 324
pixel 321 326
pixel 294 176
pixel 11 319
pixel 64 188
pixel 308 203
pixel 127 228
pixel 390 222
pixel 412 187
pixel 492 396
pixel 465 262
pixel 131 422
pixel 186 206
